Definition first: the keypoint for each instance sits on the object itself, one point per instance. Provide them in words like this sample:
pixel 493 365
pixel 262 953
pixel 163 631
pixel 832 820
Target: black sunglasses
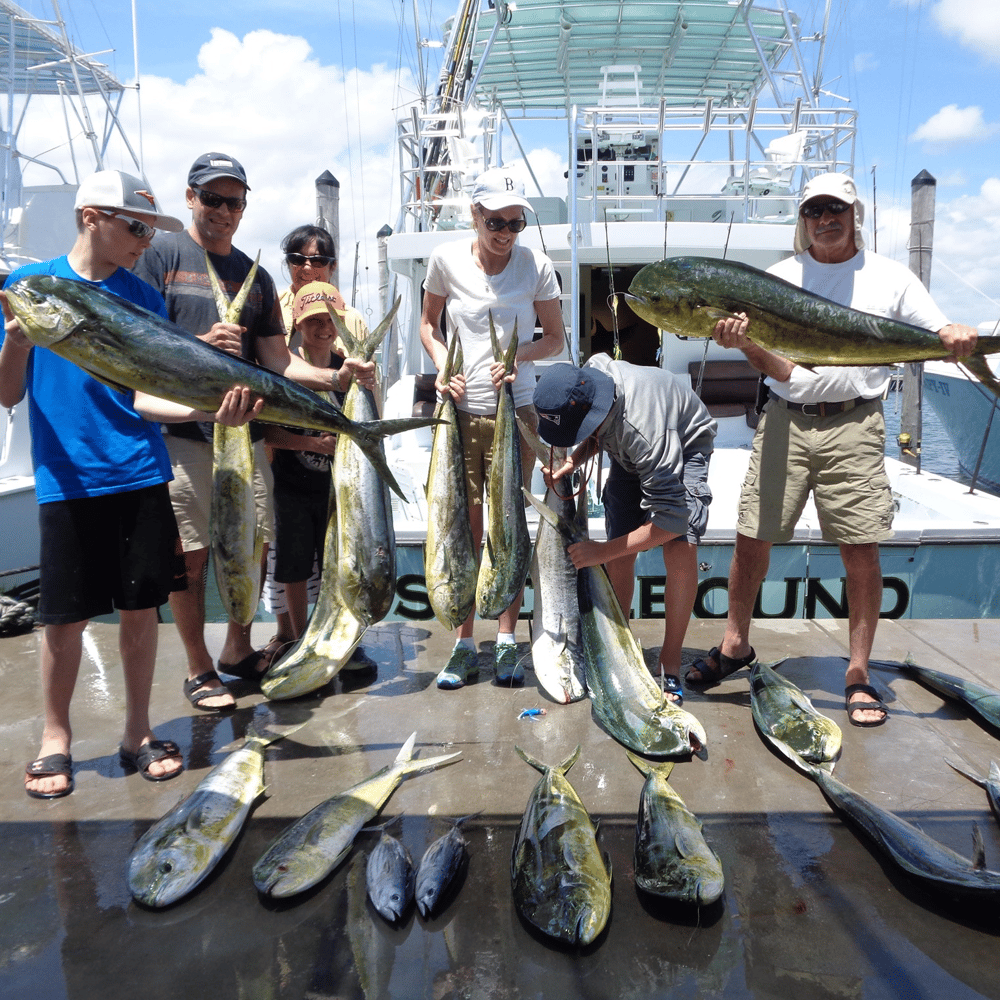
pixel 497 225
pixel 140 230
pixel 316 260
pixel 212 200
pixel 815 211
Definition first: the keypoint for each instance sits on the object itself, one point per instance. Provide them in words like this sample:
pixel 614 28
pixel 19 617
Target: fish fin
pixel 508 359
pixel 713 313
pixel 976 365
pixel 569 531
pixel 106 381
pixel 240 298
pixel 978 849
pixel 994 771
pixel 266 737
pixel 968 774
pixel 607 863
pixel 368 435
pixel 687 843
pixel 539 766
pixel 406 750
pixel 221 299
pixel 537 445
pixel 648 767
pixel 452 363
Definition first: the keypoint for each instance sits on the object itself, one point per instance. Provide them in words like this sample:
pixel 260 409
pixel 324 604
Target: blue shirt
pixel 86 438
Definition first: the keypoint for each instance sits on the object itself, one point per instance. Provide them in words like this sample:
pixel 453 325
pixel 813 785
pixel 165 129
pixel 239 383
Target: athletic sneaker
pixel 507 667
pixel 461 666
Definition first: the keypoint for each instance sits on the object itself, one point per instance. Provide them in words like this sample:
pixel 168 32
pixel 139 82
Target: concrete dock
pixel 811 908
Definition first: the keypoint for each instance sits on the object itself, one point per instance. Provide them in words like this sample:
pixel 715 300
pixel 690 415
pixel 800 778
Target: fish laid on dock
pixel 556 628
pixel 507 548
pixel 389 877
pixel 982 700
pixel 938 866
pixel 627 700
pixel 309 849
pixel 672 858
pixel 366 541
pixel 561 883
pixel 236 540
pixel 128 347
pixel 450 557
pixel 786 717
pixel 178 851
pixel 689 295
pixel 438 867
pixel 990 784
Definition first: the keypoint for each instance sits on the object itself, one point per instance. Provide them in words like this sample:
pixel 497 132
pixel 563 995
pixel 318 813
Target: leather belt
pixel 821 409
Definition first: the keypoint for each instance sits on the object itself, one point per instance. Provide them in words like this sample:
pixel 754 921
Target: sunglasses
pixel 497 225
pixel 816 211
pixel 316 260
pixel 140 230
pixel 212 200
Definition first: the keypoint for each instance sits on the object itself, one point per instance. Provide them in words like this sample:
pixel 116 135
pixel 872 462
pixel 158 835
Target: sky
pixel 293 89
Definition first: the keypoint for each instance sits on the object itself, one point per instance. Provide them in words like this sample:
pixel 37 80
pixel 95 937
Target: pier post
pixel 328 213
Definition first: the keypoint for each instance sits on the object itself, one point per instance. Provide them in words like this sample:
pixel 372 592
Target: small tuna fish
pixel 389 875
pixel 305 852
pixel 671 856
pixel 439 866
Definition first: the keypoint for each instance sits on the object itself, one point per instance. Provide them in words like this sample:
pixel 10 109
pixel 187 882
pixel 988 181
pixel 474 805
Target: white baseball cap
pixel 499 188
pixel 838 186
pixel 128 194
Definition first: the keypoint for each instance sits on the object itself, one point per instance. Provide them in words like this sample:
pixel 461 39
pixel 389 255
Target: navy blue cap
pixel 572 403
pixel 210 166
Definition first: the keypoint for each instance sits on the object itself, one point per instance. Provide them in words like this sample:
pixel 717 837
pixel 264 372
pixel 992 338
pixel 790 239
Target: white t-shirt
pixel 472 295
pixel 871 283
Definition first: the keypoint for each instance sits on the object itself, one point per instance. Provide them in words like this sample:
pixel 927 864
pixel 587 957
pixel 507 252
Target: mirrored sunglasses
pixel 316 260
pixel 139 229
pixel 212 200
pixel 815 210
pixel 497 225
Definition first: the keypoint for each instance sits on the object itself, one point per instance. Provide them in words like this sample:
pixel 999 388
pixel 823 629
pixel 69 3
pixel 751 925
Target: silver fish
pixel 671 856
pixel 389 875
pixel 310 848
pixel 556 627
pixel 438 867
pixel 991 783
pixel 981 699
pixel 179 850
pixel 627 701
pixel 507 551
pixel 450 558
pixel 561 883
pixel 784 713
pixel 366 541
pixel 126 346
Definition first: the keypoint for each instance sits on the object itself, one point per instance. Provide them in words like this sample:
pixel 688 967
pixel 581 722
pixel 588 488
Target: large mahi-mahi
pixel 561 884
pixel 128 347
pixel 310 848
pixel 627 700
pixel 507 549
pixel 689 295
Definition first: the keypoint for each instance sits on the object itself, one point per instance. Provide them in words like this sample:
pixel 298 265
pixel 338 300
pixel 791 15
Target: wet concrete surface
pixel 811 909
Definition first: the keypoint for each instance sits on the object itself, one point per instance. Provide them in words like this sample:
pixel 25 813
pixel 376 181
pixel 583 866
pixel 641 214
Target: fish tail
pixel 976 365
pixel 648 767
pixel 408 764
pixel 368 436
pixel 539 766
pixel 263 737
pixel 978 848
pixel 968 774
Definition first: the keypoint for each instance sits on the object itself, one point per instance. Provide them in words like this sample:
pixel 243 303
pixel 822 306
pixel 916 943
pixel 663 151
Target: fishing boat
pixel 690 128
pixel 46 79
pixel 967 413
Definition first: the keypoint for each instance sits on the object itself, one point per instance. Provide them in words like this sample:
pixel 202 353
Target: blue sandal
pixel 672 685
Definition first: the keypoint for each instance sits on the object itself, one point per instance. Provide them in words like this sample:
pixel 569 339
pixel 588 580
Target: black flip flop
pixel 876 705
pixel 49 767
pixel 246 669
pixel 147 754
pixel 712 675
pixel 196 697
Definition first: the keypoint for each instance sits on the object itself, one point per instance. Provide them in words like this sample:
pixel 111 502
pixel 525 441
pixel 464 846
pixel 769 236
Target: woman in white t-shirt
pixel 467 281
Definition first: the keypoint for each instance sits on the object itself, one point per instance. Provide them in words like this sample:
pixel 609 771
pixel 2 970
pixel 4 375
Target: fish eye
pixel 166 867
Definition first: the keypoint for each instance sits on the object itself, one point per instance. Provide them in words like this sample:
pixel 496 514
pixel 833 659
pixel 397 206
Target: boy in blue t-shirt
pixel 108 534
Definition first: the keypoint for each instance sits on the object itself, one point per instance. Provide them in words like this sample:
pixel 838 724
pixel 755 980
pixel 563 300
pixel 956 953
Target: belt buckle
pixel 812 409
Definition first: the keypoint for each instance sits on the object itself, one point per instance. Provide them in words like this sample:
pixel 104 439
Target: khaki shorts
pixel 477 447
pixel 840 459
pixel 191 490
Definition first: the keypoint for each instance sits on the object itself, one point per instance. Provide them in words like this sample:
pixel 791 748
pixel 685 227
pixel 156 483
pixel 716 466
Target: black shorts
pixel 300 520
pixel 100 553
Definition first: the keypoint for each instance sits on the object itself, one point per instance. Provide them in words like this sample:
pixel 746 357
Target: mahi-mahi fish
pixel 784 713
pixel 627 700
pixel 366 541
pixel 507 549
pixel 671 856
pixel 561 883
pixel 236 540
pixel 128 347
pixel 179 851
pixel 983 700
pixel 689 295
pixel 450 568
pixel 556 628
pixel 305 852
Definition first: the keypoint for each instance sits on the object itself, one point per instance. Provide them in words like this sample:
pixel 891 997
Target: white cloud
pixel 952 125
pixel 977 25
pixel 865 61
